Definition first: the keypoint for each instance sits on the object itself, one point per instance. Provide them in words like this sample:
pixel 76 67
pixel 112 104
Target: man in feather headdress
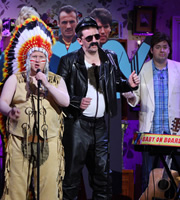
pixel 26 79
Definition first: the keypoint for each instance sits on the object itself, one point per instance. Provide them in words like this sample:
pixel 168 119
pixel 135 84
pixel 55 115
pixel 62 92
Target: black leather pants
pixel 85 143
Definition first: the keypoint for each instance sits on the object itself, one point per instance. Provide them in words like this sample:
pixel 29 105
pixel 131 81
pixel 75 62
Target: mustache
pixel 94 43
pixel 69 29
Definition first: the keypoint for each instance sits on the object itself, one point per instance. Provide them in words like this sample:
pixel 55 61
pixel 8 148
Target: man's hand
pixel 133 80
pixel 14 113
pixel 40 76
pixel 128 95
pixel 85 102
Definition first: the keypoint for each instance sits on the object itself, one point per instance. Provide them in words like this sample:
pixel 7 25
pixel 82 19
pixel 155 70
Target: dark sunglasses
pixel 90 37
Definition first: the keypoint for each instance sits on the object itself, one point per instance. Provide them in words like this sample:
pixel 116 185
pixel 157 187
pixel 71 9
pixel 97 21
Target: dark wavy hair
pixel 102 14
pixel 159 37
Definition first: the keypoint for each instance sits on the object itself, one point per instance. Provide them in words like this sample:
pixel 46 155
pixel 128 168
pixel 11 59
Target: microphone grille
pixel 38 70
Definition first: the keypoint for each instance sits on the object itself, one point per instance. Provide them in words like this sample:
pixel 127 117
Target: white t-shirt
pixel 94 95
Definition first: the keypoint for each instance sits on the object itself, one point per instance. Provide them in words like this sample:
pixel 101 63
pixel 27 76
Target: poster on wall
pixel 56 33
pixel 116 30
pixel 144 20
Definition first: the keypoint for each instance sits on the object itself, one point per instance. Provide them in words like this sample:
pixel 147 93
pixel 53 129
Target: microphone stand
pixel 108 157
pixel 38 145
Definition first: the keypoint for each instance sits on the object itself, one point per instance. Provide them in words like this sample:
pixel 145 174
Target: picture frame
pixel 144 20
pixel 56 32
pixel 115 29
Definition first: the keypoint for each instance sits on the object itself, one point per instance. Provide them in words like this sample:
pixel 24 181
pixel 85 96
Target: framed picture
pixel 56 33
pixel 114 29
pixel 144 20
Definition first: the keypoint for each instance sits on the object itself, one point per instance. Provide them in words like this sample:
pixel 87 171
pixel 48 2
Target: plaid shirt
pixel 160 121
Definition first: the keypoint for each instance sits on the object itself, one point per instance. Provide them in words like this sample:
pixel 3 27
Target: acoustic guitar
pixel 160 186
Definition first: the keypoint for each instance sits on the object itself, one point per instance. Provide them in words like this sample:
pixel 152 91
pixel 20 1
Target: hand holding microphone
pixel 41 78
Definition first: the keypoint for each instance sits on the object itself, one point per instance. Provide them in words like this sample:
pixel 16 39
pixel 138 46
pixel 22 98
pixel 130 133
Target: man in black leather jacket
pixel 92 76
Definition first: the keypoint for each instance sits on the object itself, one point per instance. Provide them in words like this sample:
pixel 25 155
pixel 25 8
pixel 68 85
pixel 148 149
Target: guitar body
pixel 156 183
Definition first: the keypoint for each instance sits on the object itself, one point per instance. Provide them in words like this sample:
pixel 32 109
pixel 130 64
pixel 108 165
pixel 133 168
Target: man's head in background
pixel 104 20
pixel 67 22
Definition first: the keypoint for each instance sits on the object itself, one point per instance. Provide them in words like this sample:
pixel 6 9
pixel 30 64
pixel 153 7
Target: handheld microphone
pixel 39 81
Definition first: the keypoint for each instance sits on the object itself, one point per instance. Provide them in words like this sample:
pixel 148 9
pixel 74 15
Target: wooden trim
pixel 127 184
pixel 175 38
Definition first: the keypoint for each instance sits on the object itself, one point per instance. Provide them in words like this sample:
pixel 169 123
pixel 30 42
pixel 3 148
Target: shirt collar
pixel 156 69
pixel 73 40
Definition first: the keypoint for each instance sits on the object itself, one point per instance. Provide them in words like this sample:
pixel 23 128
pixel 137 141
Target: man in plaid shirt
pixel 158 95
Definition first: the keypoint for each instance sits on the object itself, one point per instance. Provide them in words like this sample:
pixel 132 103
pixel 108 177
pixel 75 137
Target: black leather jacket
pixel 73 70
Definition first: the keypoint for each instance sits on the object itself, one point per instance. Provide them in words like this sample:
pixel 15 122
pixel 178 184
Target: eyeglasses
pixel 90 37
